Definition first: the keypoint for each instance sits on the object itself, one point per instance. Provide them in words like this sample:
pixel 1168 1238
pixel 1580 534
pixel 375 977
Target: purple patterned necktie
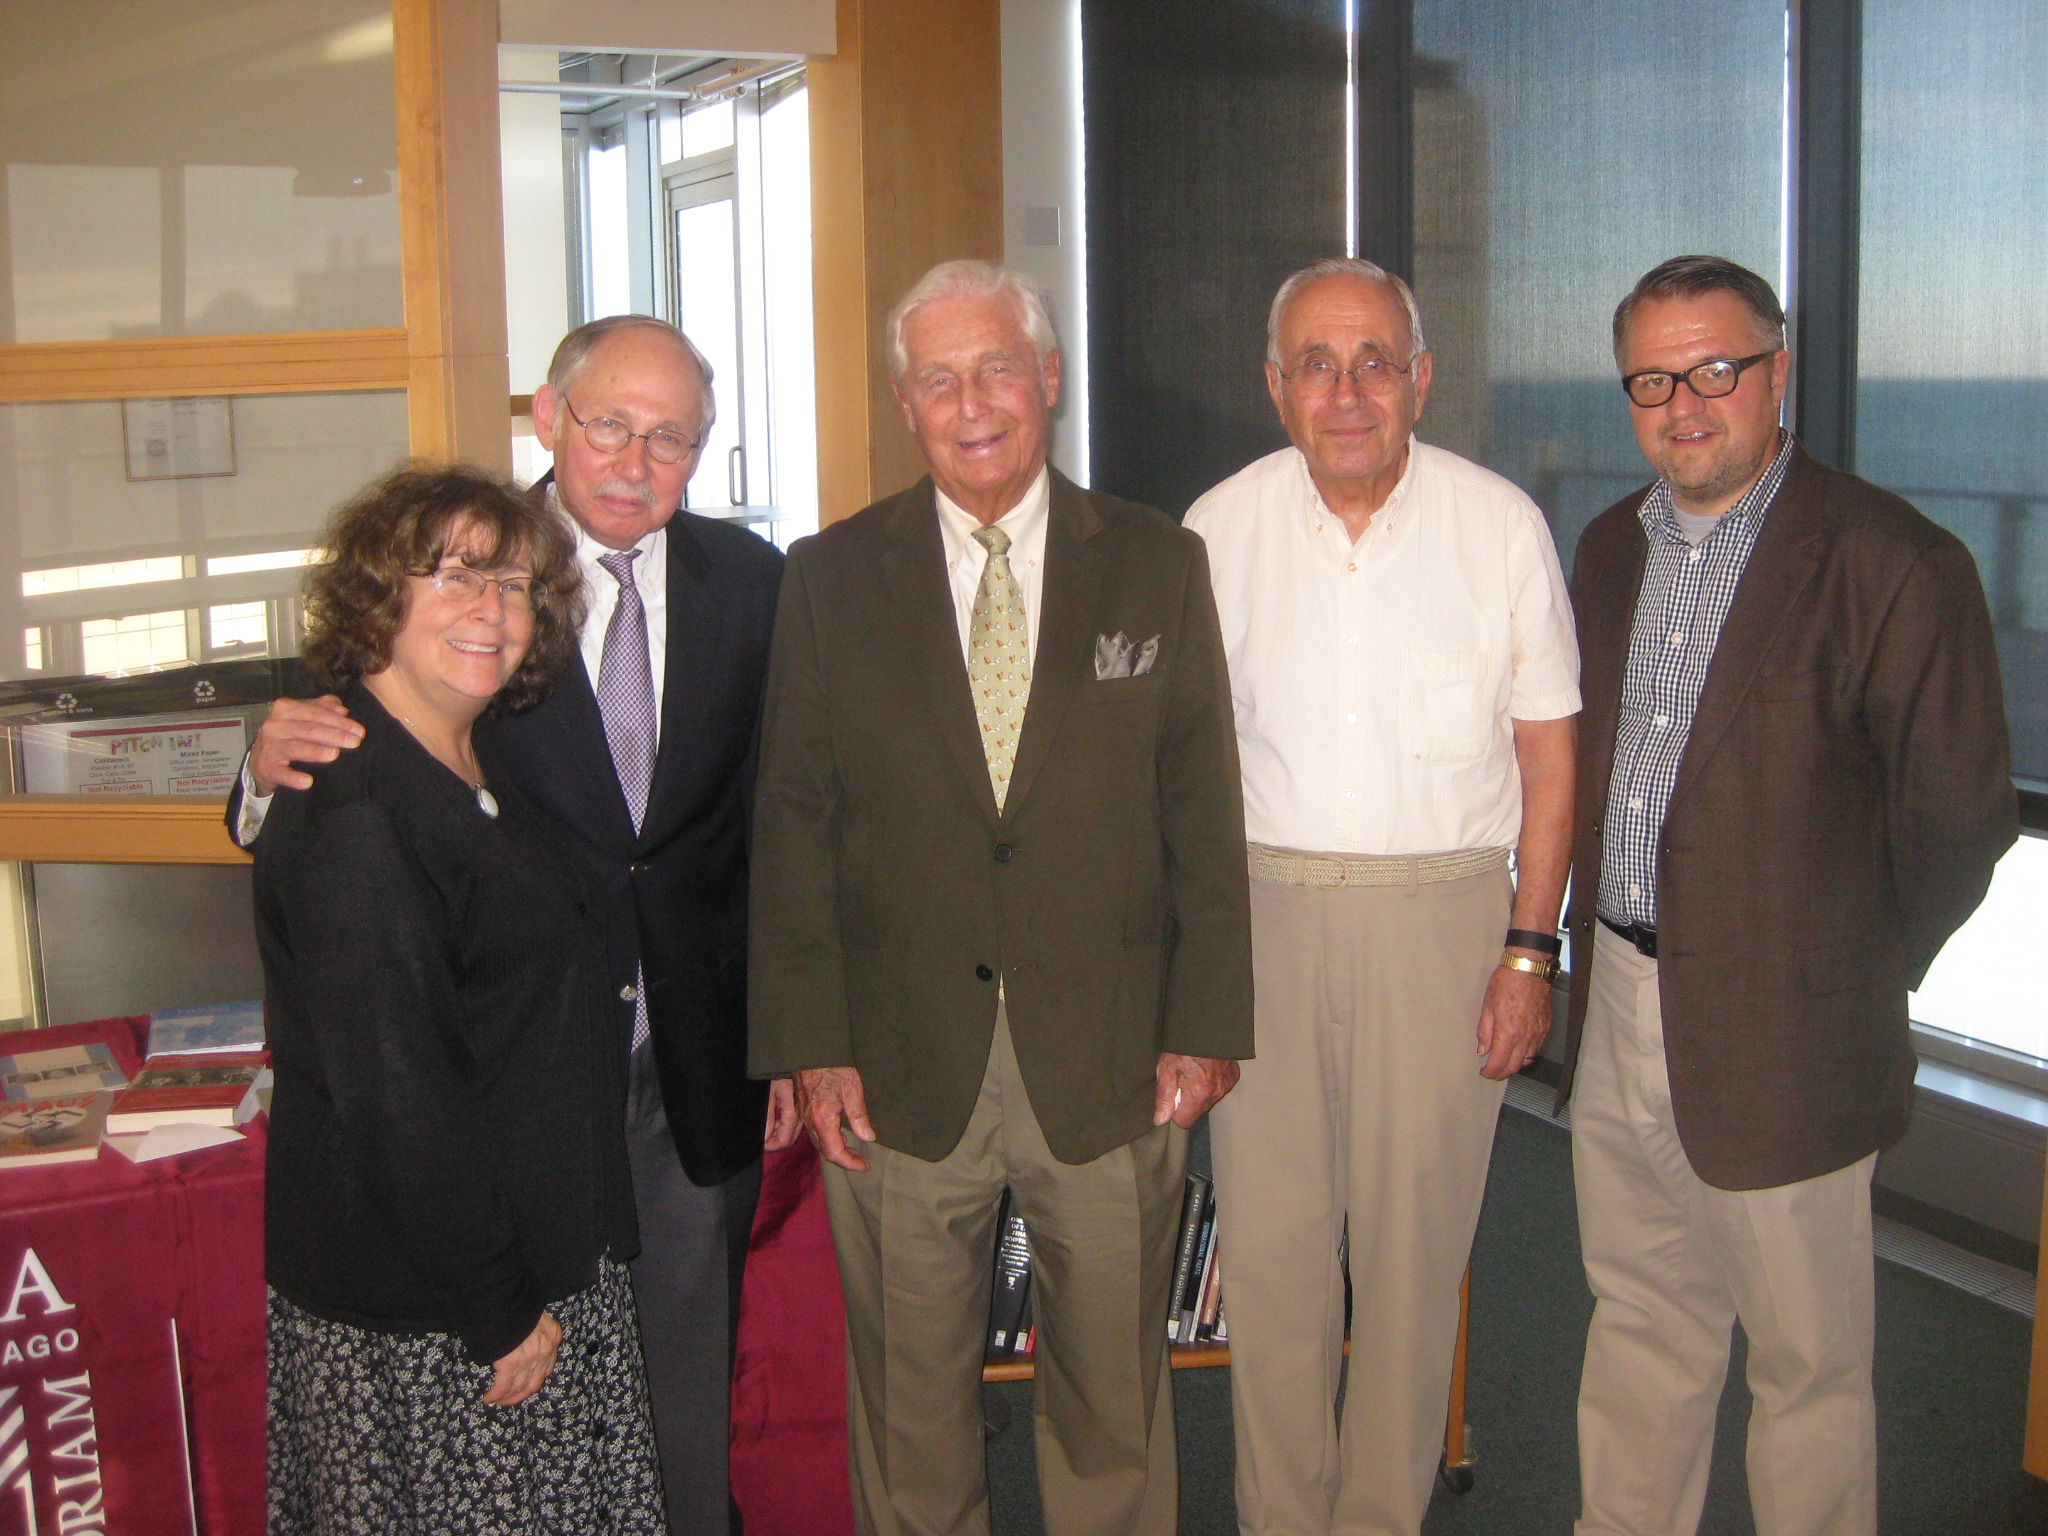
pixel 625 698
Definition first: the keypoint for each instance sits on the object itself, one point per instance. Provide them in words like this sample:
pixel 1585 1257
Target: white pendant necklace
pixel 485 800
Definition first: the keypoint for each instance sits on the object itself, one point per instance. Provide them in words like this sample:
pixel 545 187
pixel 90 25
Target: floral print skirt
pixel 383 1433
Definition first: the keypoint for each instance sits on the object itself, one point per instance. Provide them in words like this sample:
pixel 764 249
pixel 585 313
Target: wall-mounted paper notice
pixel 147 755
pixel 187 439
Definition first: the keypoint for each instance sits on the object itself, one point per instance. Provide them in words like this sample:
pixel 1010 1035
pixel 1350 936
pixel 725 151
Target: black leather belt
pixel 1644 939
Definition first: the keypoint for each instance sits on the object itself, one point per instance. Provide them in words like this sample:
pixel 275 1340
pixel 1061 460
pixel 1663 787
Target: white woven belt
pixel 1329 871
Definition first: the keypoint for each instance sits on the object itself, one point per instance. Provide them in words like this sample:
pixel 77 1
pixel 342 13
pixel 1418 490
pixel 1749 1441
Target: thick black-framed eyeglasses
pixel 609 435
pixel 1710 380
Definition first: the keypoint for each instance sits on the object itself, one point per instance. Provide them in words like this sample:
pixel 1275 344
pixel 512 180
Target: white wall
pixel 757 27
pixel 536 256
pixel 1042 169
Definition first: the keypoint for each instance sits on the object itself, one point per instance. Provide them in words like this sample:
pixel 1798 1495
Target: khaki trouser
pixel 1364 1104
pixel 916 1244
pixel 1673 1262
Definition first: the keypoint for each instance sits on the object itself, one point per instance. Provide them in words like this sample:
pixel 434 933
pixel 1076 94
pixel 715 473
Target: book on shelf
pixel 209 1089
pixel 1189 1316
pixel 1193 1204
pixel 1195 1301
pixel 1209 1312
pixel 215 1029
pixel 66 1129
pixel 1009 1313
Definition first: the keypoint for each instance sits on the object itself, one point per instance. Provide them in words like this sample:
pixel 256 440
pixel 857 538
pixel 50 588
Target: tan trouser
pixel 916 1244
pixel 1673 1262
pixel 1365 1103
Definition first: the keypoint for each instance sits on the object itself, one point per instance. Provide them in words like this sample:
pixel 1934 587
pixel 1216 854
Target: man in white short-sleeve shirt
pixel 1406 681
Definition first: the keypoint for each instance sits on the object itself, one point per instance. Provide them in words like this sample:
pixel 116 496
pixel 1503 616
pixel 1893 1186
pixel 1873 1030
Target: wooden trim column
pixel 2034 1455
pixel 451 229
pixel 906 170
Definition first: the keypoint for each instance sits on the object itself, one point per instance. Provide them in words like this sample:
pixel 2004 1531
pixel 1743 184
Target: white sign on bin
pixel 146 755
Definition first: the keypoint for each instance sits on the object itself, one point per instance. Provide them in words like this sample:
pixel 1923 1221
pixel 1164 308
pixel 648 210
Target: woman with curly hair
pixel 452 1344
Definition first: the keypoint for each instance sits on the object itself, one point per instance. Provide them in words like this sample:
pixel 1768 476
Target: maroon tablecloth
pixel 789 1377
pixel 131 1342
pixel 131 1348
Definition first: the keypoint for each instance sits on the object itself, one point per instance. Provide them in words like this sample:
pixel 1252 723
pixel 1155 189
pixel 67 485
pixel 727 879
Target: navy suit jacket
pixel 676 894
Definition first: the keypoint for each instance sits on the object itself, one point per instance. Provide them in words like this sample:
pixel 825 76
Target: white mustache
pixel 626 490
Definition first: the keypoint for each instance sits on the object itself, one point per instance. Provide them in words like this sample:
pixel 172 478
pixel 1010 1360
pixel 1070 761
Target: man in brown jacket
pixel 1000 922
pixel 1793 785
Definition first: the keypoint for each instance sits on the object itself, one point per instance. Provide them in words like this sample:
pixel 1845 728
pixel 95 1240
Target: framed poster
pixel 189 438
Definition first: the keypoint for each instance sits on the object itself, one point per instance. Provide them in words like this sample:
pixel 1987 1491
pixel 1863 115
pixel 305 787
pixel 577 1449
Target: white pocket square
pixel 1118 655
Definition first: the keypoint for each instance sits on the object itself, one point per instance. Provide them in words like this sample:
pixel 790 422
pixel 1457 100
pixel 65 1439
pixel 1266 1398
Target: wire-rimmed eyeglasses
pixel 1372 375
pixel 459 584
pixel 607 434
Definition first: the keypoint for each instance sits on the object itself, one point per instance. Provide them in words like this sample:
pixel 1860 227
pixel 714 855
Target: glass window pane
pixel 611 277
pixel 197 167
pixel 1558 157
pixel 708 128
pixel 786 255
pixel 109 575
pixel 708 298
pixel 1953 341
pixel 1983 985
pixel 136 642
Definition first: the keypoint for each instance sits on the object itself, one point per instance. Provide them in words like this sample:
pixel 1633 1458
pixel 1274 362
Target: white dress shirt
pixel 966 559
pixel 1375 682
pixel 650 575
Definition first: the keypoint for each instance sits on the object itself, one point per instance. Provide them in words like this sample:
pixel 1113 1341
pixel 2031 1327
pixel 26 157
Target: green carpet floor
pixel 1951 1387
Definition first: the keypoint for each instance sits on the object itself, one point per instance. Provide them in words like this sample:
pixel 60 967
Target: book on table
pixel 214 1029
pixel 63 1071
pixel 64 1129
pixel 208 1089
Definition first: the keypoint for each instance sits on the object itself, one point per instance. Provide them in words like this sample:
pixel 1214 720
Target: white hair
pixel 961 279
pixel 1340 266
pixel 574 350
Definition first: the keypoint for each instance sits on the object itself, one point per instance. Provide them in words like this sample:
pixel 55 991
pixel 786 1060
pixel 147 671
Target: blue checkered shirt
pixel 1684 600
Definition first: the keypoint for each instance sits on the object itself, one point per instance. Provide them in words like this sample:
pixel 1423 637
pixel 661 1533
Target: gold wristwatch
pixel 1547 967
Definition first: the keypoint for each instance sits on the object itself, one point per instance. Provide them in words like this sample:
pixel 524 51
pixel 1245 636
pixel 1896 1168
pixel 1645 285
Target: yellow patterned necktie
pixel 998 660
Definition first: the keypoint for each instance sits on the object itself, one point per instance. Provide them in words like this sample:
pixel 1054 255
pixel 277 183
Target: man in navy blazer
pixel 649 789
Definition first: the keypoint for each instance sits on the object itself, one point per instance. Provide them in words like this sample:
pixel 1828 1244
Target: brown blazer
pixel 888 894
pixel 1842 799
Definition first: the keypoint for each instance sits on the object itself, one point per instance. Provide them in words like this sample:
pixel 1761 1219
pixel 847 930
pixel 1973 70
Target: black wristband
pixel 1542 943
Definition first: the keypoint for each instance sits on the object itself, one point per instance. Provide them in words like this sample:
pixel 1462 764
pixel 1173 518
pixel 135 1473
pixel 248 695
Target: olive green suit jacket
pixel 890 896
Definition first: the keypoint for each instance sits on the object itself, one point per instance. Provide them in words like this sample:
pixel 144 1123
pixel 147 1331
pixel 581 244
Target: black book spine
pixel 1012 1283
pixel 1191 1207
pixel 1191 1298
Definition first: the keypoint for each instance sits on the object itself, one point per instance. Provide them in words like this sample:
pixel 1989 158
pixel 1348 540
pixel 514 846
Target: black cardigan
pixel 447 1148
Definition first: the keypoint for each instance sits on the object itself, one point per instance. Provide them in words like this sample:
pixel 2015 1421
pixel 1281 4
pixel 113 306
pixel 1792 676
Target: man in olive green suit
pixel 1000 922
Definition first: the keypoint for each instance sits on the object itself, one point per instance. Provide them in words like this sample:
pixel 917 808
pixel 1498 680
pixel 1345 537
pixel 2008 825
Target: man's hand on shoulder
pixel 1188 1086
pixel 826 1097
pixel 300 731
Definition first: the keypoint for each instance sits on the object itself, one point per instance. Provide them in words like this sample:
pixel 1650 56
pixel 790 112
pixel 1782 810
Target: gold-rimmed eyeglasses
pixel 607 434
pixel 1372 375
pixel 459 584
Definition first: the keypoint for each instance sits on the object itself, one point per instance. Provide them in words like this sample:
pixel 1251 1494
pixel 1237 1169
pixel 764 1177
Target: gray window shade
pixel 1561 151
pixel 1952 388
pixel 1215 166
